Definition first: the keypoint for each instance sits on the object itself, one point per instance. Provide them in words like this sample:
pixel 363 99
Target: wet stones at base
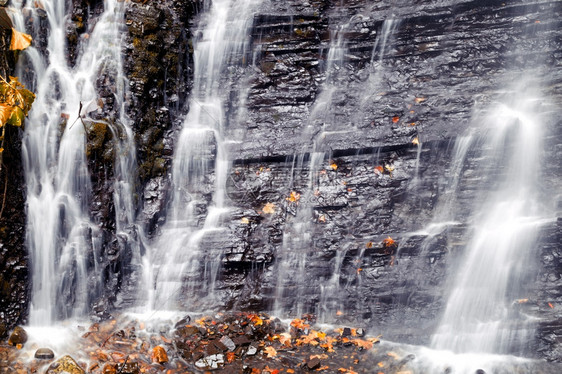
pixel 44 354
pixel 65 364
pixel 18 337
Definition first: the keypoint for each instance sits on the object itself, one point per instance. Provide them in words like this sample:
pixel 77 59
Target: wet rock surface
pixel 256 344
pixel 441 59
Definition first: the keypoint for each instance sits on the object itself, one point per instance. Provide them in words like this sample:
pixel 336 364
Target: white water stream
pixel 60 231
pixel 505 224
pixel 200 155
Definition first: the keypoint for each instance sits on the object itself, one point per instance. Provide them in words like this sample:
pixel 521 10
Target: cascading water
pixel 295 292
pixel 62 238
pixel 479 313
pixel 200 155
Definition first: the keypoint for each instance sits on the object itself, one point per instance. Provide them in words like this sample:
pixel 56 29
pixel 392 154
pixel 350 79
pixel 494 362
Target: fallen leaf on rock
pixel 415 141
pixel 388 242
pixel 256 320
pixel 395 119
pixel 393 355
pixel 551 306
pixel 293 197
pixel 420 100
pixel 244 220
pixel 379 169
pixel 365 344
pixel 269 208
pixel 299 324
pixel 334 166
pixel 270 351
pixel 522 301
pixel 285 339
pixel 369 245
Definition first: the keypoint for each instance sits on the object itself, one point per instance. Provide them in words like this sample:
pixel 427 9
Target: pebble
pixel 44 354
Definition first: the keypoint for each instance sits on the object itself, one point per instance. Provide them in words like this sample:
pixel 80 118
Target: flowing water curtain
pixel 201 160
pixel 329 116
pixel 63 241
pixel 498 257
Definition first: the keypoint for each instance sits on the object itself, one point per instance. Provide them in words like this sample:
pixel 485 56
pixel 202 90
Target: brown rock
pixel 44 354
pixel 109 369
pixel 314 363
pixel 159 355
pixel 18 336
pixel 65 364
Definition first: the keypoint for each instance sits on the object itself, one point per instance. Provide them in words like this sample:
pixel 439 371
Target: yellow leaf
pixel 389 168
pixel 245 220
pixel 269 208
pixel 334 166
pixel 415 141
pixel 16 117
pixel 420 100
pixel 20 40
pixel 5 113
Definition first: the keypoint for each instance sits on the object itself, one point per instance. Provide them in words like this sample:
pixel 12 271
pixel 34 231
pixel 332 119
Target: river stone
pixel 44 354
pixel 18 336
pixel 65 364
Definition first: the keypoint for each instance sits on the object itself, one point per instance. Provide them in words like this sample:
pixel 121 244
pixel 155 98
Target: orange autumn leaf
pixel 379 169
pixel 230 356
pixel 393 355
pixel 290 371
pixel 20 40
pixel 322 368
pixel 388 242
pixel 364 344
pixel 285 339
pixel 294 197
pixel 256 320
pixel 395 119
pixel 334 166
pixel 551 306
pixel 269 208
pixel 299 324
pixel 270 352
pixel 420 100
pixel 369 245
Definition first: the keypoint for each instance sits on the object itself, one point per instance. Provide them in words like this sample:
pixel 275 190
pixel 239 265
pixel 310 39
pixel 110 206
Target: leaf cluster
pixel 15 102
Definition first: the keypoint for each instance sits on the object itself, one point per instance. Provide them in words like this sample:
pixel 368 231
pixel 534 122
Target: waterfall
pixel 63 241
pixel 480 314
pixel 296 292
pixel 201 155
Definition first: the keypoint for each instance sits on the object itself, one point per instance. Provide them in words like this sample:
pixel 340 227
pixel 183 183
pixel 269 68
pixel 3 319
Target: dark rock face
pixel 421 80
pixel 14 262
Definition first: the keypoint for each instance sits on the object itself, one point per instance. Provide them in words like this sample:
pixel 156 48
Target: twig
pixel 5 192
